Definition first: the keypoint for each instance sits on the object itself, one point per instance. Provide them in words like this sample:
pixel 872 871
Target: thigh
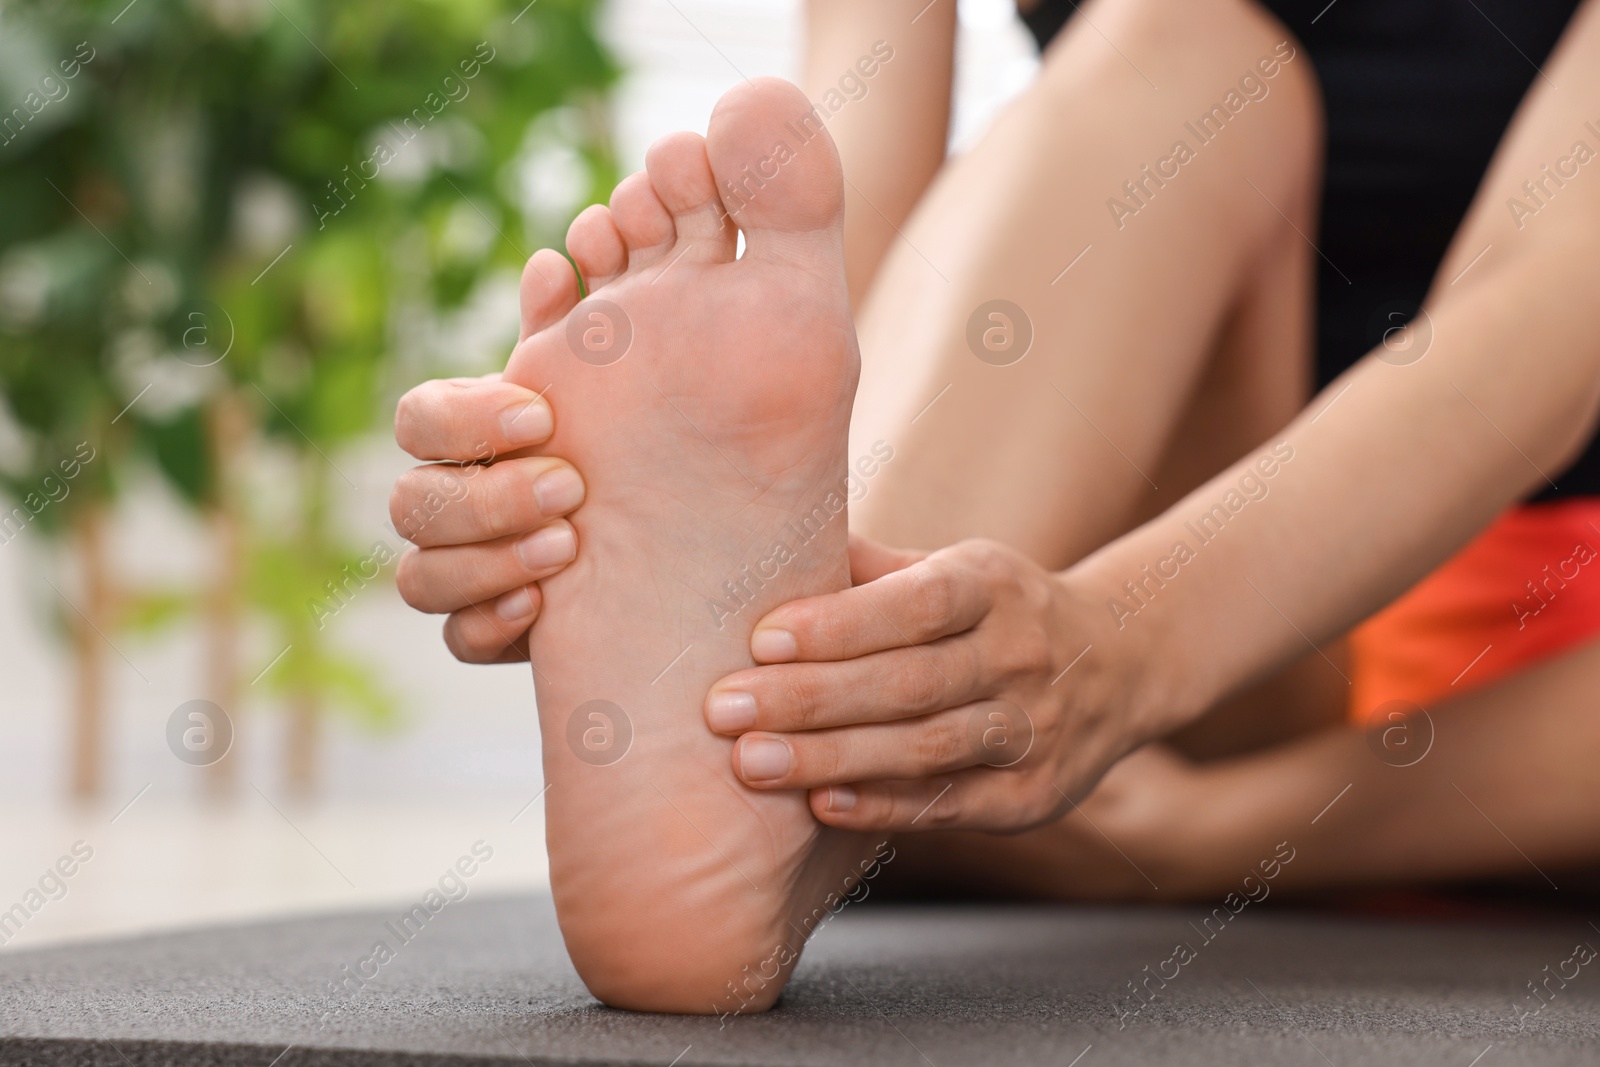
pixel 1119 287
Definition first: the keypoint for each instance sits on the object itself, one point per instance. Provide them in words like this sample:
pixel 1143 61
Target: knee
pixel 1220 65
pixel 1280 66
pixel 1195 50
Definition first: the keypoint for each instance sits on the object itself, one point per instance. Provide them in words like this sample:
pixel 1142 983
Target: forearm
pixel 1504 786
pixel 890 126
pixel 1401 461
pixel 1387 473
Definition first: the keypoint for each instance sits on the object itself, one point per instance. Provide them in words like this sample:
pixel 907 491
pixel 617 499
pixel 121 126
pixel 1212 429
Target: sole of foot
pixel 706 399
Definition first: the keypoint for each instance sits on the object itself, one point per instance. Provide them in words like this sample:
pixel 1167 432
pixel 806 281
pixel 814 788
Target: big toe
pixel 776 166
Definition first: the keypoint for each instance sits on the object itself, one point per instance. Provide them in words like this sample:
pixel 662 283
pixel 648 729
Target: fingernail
pixel 558 491
pixel 841 798
pixel 773 646
pixel 526 424
pixel 515 605
pixel 548 546
pixel 731 712
pixel 762 760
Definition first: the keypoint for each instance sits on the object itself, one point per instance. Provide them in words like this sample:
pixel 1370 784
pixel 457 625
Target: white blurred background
pixel 394 808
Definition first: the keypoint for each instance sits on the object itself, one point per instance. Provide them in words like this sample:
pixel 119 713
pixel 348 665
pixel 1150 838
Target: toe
pixel 549 290
pixel 642 219
pixel 596 247
pixel 775 165
pixel 681 177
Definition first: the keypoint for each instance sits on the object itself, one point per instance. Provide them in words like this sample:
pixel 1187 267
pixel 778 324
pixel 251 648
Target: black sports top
pixel 1417 94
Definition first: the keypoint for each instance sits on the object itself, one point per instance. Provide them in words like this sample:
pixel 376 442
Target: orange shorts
pixel 1526 588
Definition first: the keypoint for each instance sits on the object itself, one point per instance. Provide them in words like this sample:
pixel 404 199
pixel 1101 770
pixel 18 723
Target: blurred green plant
pixel 238 228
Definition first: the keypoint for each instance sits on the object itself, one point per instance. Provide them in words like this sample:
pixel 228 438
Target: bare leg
pixel 1176 343
pixel 1202 295
pixel 682 437
pixel 706 399
pixel 1454 813
pixel 1464 810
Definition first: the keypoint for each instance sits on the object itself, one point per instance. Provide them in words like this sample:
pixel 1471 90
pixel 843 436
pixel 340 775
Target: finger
pixel 979 798
pixel 909 749
pixel 470 420
pixel 450 577
pixel 898 684
pixel 925 601
pixel 870 560
pixel 443 504
pixel 494 632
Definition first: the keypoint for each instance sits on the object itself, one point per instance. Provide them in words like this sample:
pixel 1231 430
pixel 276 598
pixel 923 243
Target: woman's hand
pixel 962 688
pixel 486 522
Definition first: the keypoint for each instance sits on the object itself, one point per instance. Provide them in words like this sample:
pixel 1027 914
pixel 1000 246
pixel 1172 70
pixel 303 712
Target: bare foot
pixel 706 401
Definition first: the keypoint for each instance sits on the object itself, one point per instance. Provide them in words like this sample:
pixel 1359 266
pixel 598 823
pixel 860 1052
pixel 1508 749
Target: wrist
pixel 1136 674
